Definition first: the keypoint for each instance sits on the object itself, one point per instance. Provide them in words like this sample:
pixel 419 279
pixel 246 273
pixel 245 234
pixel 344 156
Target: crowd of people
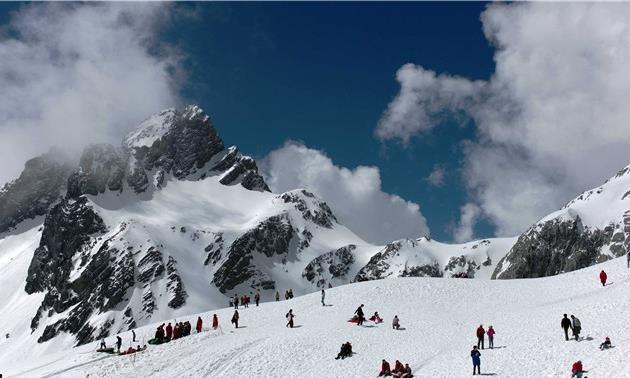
pixel 166 333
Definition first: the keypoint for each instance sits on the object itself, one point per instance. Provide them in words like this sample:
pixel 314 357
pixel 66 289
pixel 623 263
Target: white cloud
pixel 464 232
pixel 553 119
pixel 437 176
pixel 77 73
pixel 355 195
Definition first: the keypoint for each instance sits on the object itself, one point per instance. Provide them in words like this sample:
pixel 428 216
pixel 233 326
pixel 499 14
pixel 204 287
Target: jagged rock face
pixel 381 265
pixel 41 184
pixel 102 167
pixel 330 265
pixel 322 215
pixel 271 237
pixel 557 246
pixel 460 266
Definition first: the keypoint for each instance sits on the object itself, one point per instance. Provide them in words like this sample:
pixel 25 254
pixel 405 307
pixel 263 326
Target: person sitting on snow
pixel 577 370
pixel 346 351
pixel 404 373
pixel 386 371
pixel 375 318
pixel 606 344
pixel 395 322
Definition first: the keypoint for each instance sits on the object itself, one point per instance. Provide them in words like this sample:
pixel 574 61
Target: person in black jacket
pixel 566 324
pixel 118 343
pixel 360 315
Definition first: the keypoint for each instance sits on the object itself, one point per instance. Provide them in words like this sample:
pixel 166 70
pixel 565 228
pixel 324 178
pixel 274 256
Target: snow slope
pixel 439 317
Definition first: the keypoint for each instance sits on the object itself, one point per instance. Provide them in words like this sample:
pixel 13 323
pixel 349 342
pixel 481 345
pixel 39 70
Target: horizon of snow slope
pixel 439 317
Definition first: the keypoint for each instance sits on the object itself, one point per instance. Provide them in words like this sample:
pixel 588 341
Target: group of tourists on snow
pixel 399 371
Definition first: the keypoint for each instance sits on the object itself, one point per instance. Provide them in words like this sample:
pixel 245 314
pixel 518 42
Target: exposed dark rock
pixel 460 264
pixel 554 247
pixel 322 215
pixel 102 167
pixel 271 237
pixel 41 184
pixel 174 285
pixel 214 250
pixel 333 264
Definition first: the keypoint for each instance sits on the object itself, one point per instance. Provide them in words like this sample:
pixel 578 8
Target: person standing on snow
pixel 603 277
pixel 257 298
pixel 133 334
pixel 323 296
pixel 480 336
pixel 235 302
pixel 235 319
pixel 199 324
pixel 290 316
pixel 215 321
pixel 360 315
pixel 577 370
pixel 476 359
pixel 565 324
pixel 118 343
pixel 395 322
pixel 577 327
pixel 169 332
pixel 277 296
pixel 490 334
pixel 628 257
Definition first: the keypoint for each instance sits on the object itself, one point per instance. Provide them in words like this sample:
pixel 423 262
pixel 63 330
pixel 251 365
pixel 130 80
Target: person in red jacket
pixel 169 332
pixel 577 370
pixel 199 324
pixel 215 321
pixel 386 371
pixel 398 367
pixel 480 336
pixel 603 277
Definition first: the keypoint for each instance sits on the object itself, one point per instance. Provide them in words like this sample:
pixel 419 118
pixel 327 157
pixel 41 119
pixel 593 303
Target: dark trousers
pixel 478 368
pixel 490 342
pixel 566 333
pixel 360 322
pixel 480 340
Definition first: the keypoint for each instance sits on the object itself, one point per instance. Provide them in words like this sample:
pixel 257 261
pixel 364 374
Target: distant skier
pixel 323 296
pixel 133 334
pixel 396 322
pixel 360 315
pixel 577 327
pixel 565 324
pixel 606 344
pixel 577 370
pixel 603 277
pixel 386 370
pixel 290 316
pixel 476 359
pixel 215 321
pixel 277 296
pixel 490 334
pixel 235 319
pixel 199 324
pixel 346 351
pixel 118 343
pixel 481 332
pixel 257 298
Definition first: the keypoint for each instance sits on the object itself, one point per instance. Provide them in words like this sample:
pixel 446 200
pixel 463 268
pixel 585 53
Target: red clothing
pixel 169 331
pixel 199 323
pixel 399 367
pixel 603 276
pixel 490 332
pixel 577 367
pixel 215 322
pixel 480 331
pixel 385 367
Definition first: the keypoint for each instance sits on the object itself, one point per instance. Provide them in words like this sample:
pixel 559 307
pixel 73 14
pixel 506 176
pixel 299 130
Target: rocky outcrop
pixel 270 238
pixel 318 212
pixel 41 184
pixel 559 245
pixel 391 262
pixel 331 265
pixel 101 167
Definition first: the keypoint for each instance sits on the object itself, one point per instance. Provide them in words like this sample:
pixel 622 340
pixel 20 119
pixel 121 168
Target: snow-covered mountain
pixel 592 228
pixel 172 223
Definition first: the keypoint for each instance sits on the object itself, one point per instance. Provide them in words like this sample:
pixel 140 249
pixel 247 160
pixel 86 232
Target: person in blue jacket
pixel 476 360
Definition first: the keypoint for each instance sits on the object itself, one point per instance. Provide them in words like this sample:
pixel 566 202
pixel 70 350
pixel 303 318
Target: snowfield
pixel 439 317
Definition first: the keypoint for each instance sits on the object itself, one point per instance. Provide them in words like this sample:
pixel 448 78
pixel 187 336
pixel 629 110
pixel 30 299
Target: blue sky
pixel 323 73
pixel 545 117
